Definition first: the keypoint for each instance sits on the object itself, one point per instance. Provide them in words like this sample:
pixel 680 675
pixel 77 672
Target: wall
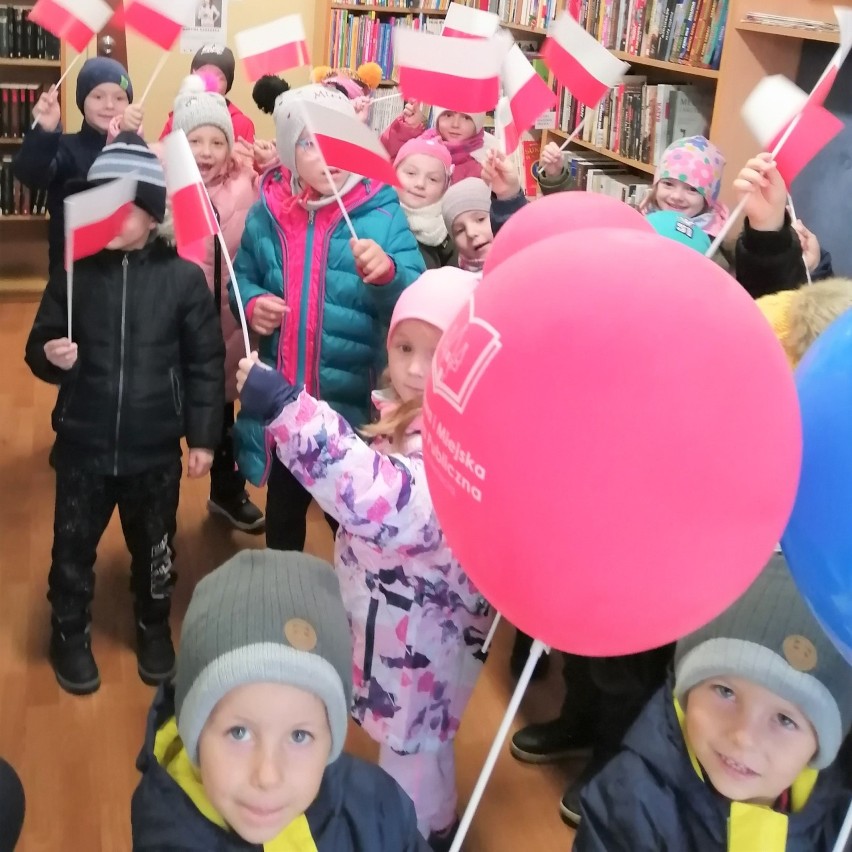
pixel 143 57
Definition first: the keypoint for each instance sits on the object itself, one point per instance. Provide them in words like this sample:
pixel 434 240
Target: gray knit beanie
pixel 464 196
pixel 290 120
pixel 770 637
pixel 196 107
pixel 265 616
pixel 128 155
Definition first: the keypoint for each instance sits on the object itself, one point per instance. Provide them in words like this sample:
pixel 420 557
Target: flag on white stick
pixel 159 21
pixel 467 22
pixel 195 221
pixel 783 120
pixel 274 47
pixel 527 96
pixel 348 144
pixel 583 65
pixel 462 75
pixel 94 217
pixel 72 21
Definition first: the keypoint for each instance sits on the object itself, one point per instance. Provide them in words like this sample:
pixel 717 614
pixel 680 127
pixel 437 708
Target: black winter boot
pixel 239 511
pixel 72 659
pixel 155 654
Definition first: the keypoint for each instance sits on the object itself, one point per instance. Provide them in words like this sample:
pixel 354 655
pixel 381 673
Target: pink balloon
pixel 561 214
pixel 613 448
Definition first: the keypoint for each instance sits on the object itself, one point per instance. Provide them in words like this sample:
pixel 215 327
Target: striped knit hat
pixel 129 155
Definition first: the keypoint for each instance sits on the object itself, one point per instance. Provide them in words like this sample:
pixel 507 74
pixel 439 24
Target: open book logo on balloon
pixel 468 346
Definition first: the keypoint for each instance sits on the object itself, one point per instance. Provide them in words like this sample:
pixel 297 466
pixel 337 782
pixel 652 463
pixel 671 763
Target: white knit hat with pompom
pixel 196 106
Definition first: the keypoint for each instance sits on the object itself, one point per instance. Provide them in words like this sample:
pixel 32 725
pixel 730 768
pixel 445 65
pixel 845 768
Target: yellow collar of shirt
pixel 172 756
pixel 753 827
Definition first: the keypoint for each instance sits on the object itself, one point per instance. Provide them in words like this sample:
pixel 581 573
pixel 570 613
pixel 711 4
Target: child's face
pixel 472 234
pixel 751 743
pixel 310 166
pixel 423 180
pixel 104 103
pixel 410 354
pixel 210 149
pixel 215 73
pixel 455 126
pixel 135 231
pixel 676 195
pixel 262 755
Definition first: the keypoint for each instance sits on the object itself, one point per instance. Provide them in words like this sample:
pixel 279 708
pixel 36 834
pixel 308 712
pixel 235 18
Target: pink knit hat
pixel 433 147
pixel 435 297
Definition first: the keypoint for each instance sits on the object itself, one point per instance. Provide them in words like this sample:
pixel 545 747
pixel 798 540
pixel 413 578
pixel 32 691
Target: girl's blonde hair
pixel 395 422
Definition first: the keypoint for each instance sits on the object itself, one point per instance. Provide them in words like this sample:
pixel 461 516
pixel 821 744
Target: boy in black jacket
pixel 740 752
pixel 145 368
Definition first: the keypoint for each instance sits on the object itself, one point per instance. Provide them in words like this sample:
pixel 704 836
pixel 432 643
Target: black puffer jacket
pixel 650 799
pixel 150 365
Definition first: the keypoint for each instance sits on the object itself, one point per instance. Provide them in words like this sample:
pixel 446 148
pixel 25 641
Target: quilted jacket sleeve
pixel 398 133
pixel 769 261
pixel 203 357
pixel 249 263
pixel 374 496
pixel 42 158
pixel 401 246
pixel 624 809
pixel 51 323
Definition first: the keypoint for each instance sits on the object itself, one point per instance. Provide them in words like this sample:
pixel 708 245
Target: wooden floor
pixel 76 756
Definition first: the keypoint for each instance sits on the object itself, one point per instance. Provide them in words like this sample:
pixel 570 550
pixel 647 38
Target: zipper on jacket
pixel 303 308
pixel 121 359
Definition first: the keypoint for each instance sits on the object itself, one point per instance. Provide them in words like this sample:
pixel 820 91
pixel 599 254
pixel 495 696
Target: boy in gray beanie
pixel 246 747
pixel 739 753
pixel 145 367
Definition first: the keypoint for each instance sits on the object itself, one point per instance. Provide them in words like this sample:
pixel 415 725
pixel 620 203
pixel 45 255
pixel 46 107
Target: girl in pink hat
pixel 417 621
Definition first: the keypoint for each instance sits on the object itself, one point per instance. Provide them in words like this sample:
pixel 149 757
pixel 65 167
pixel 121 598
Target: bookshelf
pixel 25 268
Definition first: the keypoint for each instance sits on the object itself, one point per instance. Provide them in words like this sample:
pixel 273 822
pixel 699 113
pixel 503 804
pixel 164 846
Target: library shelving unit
pixel 23 258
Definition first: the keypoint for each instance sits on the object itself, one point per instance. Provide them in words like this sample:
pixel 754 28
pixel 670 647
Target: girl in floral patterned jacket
pixel 417 620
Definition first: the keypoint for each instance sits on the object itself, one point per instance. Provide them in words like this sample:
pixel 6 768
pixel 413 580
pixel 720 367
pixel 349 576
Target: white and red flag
pixel 94 217
pixel 160 21
pixel 274 47
pixel 581 63
pixel 787 122
pixel 347 143
pixel 467 22
pixel 527 96
pixel 72 21
pixel 829 76
pixel 462 75
pixel 194 219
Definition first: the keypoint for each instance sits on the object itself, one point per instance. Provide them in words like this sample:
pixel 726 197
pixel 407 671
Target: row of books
pixel 16 107
pixel 365 37
pixel 17 199
pixel 388 107
pixel 21 39
pixel 431 5
pixel 639 120
pixel 596 173
pixel 686 32
pixel 527 13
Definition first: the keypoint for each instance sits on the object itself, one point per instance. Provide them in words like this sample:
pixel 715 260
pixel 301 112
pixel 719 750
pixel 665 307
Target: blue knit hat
pixel 101 69
pixel 668 223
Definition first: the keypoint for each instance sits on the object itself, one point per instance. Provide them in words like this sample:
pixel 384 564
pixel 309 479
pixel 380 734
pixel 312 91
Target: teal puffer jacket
pixel 332 340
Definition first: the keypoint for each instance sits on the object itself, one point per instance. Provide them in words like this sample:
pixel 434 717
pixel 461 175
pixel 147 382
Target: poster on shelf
pixel 209 26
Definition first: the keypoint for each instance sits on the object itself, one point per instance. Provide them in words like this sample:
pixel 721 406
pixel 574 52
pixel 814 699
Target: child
pixel 233 189
pixel 245 751
pixel 217 62
pixel 467 214
pixel 463 135
pixel 145 368
pixel 773 251
pixel 688 181
pixel 52 160
pixel 320 300
pixel 737 754
pixel 424 168
pixel 417 620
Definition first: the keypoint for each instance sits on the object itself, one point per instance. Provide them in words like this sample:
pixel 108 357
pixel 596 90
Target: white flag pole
pixel 845 831
pixel 794 217
pixel 240 308
pixel 58 83
pixel 491 633
pixel 537 649
pixel 575 132
pixel 69 275
pixel 156 73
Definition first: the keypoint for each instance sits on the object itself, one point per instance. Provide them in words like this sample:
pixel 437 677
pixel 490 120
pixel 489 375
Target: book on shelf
pixel 526 13
pixel 17 199
pixel 638 120
pixel 429 5
pixel 17 101
pixel 358 37
pixel 596 173
pixel 387 109
pixel 21 39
